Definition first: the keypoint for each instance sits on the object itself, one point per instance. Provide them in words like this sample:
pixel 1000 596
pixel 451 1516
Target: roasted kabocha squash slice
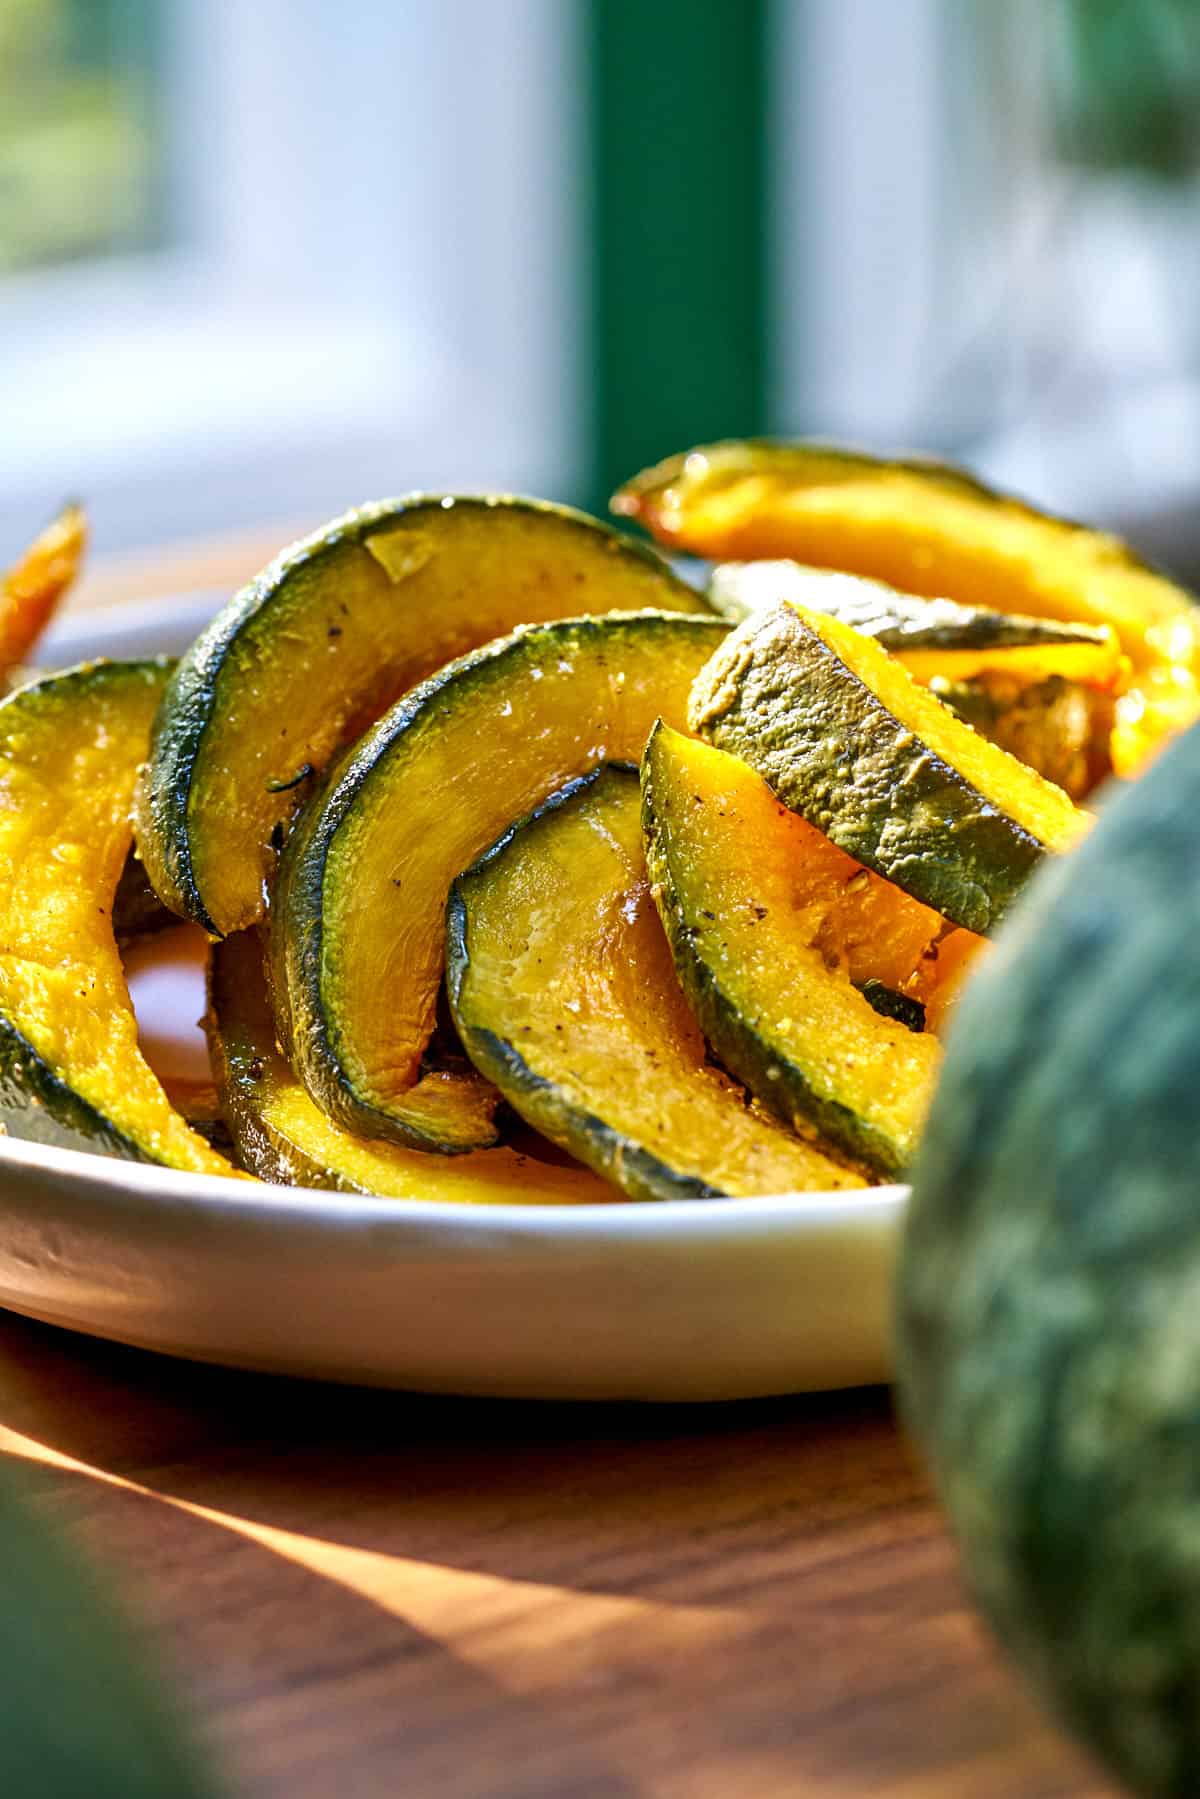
pixel 563 992
pixel 281 1136
pixel 31 589
pixel 323 641
pixel 844 736
pixel 774 931
pixel 1043 690
pixel 357 919
pixel 934 638
pixel 71 1072
pixel 928 529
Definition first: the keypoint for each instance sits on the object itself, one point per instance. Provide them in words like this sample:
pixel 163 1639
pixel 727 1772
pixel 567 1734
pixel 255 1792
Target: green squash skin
pixel 628 1165
pixel 901 1007
pixel 38 1106
pixel 776 1079
pixel 1048 1330
pixel 899 621
pixel 197 698
pixel 309 1035
pixel 840 759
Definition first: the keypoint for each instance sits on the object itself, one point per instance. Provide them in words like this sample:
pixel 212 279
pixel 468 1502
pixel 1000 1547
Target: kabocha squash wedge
pixel 928 529
pixel 773 930
pixel 843 735
pixel 71 1072
pixel 1043 690
pixel 357 931
pixel 281 1136
pixel 31 589
pixel 934 638
pixel 563 992
pixel 323 641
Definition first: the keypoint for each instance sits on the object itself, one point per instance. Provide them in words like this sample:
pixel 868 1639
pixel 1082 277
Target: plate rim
pixel 619 1218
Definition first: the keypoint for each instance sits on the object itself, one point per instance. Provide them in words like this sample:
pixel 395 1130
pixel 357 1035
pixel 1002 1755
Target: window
pixel 80 130
pixel 318 263
pixel 988 233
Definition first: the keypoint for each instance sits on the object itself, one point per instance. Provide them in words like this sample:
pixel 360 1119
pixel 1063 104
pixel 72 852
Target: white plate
pixel 692 1300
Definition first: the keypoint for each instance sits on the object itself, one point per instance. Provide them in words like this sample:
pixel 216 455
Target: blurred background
pixel 260 261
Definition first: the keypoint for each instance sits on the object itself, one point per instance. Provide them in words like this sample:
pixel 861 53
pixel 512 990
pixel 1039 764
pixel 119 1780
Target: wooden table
pixel 364 1595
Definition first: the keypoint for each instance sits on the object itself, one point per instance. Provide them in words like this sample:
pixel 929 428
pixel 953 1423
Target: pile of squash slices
pixel 530 871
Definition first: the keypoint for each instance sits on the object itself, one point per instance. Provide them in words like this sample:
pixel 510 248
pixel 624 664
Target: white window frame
pixel 371 286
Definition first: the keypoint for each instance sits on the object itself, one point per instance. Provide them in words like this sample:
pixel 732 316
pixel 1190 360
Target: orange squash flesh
pixel 943 974
pixel 32 588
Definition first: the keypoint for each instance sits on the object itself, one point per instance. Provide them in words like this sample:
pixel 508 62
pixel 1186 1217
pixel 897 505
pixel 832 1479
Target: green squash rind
pixel 1048 1329
pixel 840 759
pixel 776 1079
pixel 193 699
pixel 38 1106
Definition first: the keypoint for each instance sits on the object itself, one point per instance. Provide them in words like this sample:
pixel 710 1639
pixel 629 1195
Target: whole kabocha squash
pixel 1049 1290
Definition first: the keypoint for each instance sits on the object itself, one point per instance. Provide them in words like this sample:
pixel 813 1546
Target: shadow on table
pixel 533 1600
pixel 296 1686
pixel 539 1491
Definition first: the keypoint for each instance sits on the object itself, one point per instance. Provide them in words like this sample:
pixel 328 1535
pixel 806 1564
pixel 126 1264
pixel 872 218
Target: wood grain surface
pixel 363 1594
